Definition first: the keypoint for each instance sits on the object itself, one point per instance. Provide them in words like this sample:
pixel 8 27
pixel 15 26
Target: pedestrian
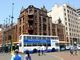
pixel 75 49
pixel 71 50
pixel 27 56
pixel 43 50
pixel 46 49
pixel 39 50
pixel 16 55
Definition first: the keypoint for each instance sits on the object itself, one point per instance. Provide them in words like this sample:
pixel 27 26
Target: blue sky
pixel 6 6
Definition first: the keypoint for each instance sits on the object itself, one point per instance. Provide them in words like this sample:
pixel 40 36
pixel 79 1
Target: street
pixel 64 55
pixel 48 56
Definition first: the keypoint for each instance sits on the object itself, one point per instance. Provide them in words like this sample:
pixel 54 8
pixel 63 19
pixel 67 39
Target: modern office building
pixel 69 18
pixel 78 11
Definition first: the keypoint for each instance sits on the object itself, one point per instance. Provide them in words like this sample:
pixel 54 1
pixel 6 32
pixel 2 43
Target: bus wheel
pixel 34 50
pixel 53 50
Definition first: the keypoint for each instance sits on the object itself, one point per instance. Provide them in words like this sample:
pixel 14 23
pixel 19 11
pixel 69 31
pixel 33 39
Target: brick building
pixel 34 21
pixel 59 30
pixel 10 34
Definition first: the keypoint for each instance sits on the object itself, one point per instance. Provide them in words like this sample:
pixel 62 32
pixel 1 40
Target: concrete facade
pixel 70 20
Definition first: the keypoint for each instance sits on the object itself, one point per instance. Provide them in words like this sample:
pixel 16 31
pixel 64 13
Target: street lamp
pixel 12 27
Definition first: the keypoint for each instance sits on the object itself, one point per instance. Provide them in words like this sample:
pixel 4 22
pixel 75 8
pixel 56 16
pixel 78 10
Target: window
pixel 65 14
pixel 68 15
pixel 65 19
pixel 20 21
pixel 57 44
pixel 25 44
pixel 28 37
pixel 69 24
pixel 43 37
pixel 44 19
pixel 25 37
pixel 34 44
pixel 23 20
pixel 64 9
pixel 44 44
pixel 69 29
pixel 39 38
pixel 70 34
pixel 66 28
pixel 33 37
pixel 65 23
pixel 29 44
pixel 39 44
pixel 48 37
pixel 68 11
pixel 66 33
pixel 69 20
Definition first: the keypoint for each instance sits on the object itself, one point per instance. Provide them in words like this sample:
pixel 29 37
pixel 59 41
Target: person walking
pixel 39 50
pixel 43 50
pixel 75 49
pixel 27 56
pixel 71 50
pixel 16 55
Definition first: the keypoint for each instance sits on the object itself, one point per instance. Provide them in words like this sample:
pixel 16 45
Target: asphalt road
pixel 47 56
pixel 64 55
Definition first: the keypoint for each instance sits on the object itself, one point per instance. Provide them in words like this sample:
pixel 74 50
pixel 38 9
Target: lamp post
pixel 12 27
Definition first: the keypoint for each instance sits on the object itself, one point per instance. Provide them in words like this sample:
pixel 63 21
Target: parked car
pixel 78 46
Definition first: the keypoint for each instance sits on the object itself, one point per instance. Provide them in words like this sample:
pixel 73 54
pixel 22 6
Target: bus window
pixel 39 44
pixel 44 44
pixel 29 44
pixel 56 38
pixel 57 44
pixel 25 37
pixel 52 38
pixel 33 37
pixel 48 37
pixel 44 38
pixel 34 44
pixel 25 45
pixel 28 37
pixel 39 38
